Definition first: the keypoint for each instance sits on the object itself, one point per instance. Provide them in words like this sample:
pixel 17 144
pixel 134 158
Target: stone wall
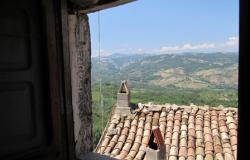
pixel 80 59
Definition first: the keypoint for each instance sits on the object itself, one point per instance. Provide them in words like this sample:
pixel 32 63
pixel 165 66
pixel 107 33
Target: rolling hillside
pixel 194 71
pixel 200 79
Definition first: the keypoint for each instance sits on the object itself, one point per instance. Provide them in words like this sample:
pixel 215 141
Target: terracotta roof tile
pixel 189 132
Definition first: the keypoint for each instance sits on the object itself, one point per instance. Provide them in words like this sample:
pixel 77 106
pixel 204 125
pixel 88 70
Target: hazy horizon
pixel 180 53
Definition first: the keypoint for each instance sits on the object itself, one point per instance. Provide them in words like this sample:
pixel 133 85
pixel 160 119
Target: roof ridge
pixel 175 106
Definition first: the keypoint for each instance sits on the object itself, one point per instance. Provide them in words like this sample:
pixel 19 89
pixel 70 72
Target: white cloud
pixel 232 42
pixel 186 47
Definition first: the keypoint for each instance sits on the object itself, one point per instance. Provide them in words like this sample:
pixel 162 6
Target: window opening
pixel 175 82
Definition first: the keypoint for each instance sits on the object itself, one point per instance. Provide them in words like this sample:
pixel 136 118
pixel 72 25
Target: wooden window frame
pixel 243 78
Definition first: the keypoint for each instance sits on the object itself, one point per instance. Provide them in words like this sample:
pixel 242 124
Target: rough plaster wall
pixel 80 59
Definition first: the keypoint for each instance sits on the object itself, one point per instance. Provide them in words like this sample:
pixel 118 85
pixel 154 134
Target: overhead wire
pixel 100 68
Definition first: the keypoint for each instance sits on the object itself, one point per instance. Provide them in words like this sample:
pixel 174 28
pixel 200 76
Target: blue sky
pixel 167 26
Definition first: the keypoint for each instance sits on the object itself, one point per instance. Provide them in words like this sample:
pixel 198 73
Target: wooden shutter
pixel 31 101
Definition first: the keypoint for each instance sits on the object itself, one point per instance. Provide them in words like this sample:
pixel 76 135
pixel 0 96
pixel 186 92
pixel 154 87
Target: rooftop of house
pixel 189 132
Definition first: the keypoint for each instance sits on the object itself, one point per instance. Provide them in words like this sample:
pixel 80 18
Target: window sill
pixel 96 156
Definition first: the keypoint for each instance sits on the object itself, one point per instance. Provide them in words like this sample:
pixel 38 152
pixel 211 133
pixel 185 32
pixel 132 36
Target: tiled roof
pixel 190 132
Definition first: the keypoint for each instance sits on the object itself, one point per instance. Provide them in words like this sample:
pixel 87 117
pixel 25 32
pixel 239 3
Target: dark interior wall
pixel 244 81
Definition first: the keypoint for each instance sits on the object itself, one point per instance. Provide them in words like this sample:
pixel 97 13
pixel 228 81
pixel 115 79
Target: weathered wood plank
pixel 80 58
pixel 102 5
pixel 85 3
pixel 67 79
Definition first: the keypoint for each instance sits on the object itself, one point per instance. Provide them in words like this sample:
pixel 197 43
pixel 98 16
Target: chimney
pixel 156 151
pixel 123 99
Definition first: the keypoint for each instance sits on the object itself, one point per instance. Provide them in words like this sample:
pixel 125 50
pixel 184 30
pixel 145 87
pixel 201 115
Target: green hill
pixel 195 71
pixel 210 79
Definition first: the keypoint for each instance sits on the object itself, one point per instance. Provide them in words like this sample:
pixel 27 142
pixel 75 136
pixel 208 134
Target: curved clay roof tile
pixel 189 132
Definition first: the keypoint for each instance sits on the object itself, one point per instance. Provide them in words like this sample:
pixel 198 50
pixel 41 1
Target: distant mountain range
pixel 186 71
